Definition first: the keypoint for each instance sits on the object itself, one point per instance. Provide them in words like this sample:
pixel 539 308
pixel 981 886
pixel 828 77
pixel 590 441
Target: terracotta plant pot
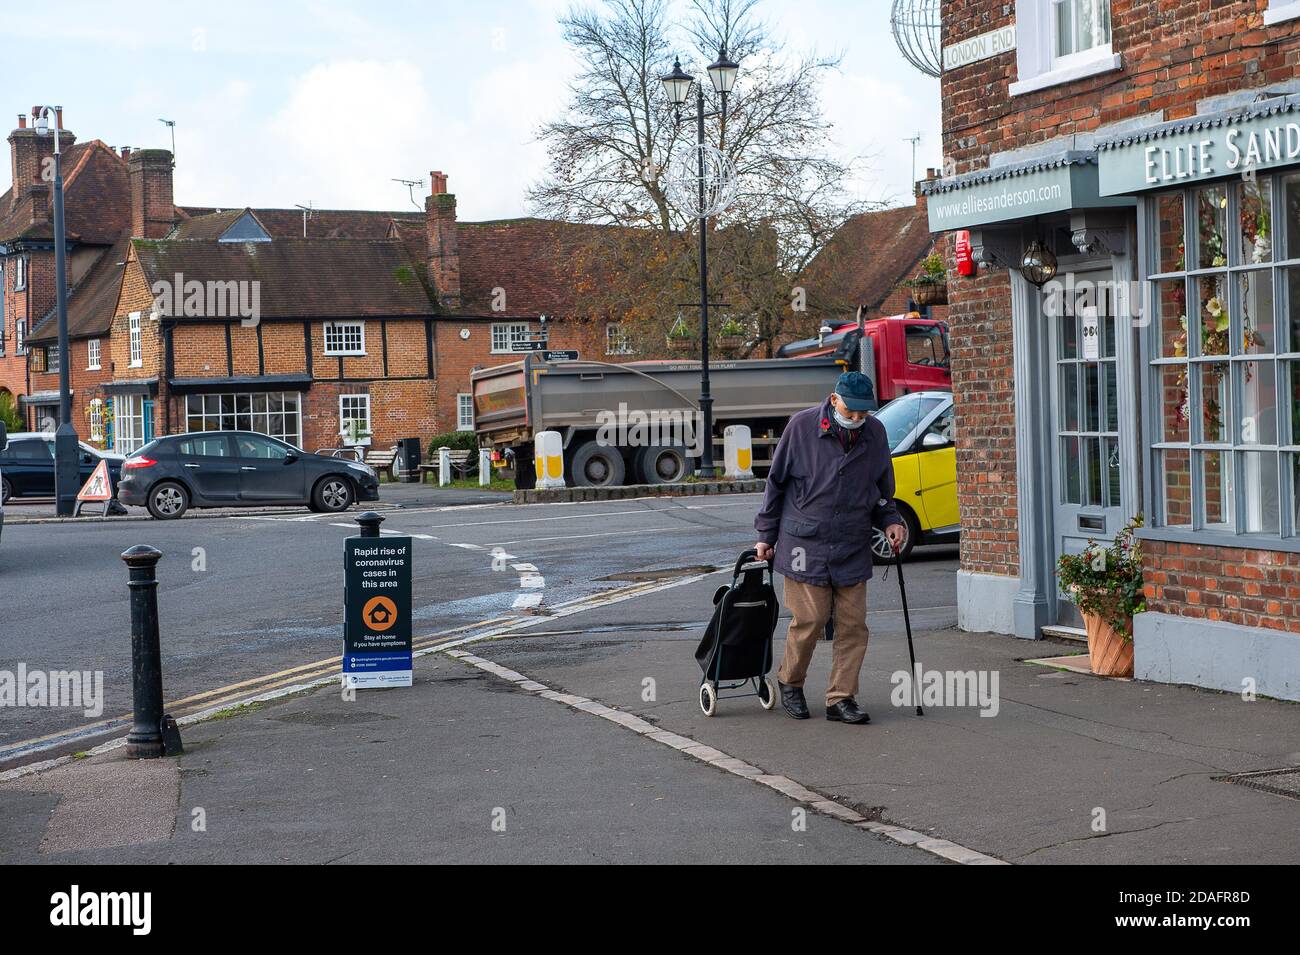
pixel 1109 651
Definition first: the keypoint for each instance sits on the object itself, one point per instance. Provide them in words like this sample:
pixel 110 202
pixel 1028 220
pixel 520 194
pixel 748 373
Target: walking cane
pixel 907 622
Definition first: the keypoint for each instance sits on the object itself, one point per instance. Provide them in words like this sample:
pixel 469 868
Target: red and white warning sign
pixel 99 487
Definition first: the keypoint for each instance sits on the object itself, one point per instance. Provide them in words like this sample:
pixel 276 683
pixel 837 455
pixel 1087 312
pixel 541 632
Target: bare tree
pixel 611 152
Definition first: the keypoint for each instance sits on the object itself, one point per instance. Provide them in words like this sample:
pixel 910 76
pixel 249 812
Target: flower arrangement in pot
pixel 731 334
pixel 931 286
pixel 680 337
pixel 1105 583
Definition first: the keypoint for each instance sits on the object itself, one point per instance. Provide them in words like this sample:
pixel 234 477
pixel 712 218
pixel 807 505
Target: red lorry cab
pixel 909 353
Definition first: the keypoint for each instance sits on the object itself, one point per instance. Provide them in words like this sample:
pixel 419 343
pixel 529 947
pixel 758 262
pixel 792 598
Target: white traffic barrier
pixel 484 467
pixel 548 457
pixel 737 453
pixel 444 466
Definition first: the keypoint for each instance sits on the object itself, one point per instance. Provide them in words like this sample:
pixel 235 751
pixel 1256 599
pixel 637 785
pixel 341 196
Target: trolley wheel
pixel 767 693
pixel 708 699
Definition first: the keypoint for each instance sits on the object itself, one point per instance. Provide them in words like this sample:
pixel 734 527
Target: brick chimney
pixel 444 251
pixel 27 151
pixel 152 210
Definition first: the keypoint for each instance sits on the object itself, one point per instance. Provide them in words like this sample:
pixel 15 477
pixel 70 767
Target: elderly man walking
pixel 831 483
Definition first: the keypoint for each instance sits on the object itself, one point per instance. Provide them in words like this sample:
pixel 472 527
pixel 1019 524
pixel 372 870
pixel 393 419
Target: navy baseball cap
pixel 856 391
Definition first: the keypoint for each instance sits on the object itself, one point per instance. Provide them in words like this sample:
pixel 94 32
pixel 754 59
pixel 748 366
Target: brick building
pixel 97 220
pixel 1150 151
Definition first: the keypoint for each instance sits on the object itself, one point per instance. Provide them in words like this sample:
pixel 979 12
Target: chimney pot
pixel 58 117
pixel 22 121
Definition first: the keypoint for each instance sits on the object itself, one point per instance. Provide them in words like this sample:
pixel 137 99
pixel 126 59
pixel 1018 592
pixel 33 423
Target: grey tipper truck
pixel 638 423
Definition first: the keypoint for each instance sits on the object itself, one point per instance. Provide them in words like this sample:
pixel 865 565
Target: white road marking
pixel 523 567
pixel 526 601
pixel 587 517
pixel 532 581
pixel 464 546
pixel 715 757
pixel 574 537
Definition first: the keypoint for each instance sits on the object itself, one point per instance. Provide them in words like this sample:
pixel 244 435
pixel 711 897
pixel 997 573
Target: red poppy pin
pixel 826 424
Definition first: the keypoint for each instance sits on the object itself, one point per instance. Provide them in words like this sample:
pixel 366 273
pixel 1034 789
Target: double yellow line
pixel 242 691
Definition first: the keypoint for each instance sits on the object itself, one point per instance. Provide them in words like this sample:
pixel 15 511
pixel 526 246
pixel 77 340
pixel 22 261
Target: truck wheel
pixel 596 466
pixel 659 465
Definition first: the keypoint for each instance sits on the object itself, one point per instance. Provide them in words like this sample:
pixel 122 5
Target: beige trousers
pixel 810 608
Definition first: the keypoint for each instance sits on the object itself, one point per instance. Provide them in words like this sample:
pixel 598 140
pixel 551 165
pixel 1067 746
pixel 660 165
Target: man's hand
pixel 896 534
pixel 764 551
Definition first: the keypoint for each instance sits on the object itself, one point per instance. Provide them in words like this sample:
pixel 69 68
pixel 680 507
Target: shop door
pixel 1086 450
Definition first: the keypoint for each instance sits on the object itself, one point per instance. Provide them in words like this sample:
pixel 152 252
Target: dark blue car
pixel 27 465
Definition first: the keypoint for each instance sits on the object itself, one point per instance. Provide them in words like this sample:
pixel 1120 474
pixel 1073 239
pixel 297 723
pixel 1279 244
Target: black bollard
pixel 370 522
pixel 145 740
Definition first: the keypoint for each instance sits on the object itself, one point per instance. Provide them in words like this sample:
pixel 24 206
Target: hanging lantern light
pixel 1038 265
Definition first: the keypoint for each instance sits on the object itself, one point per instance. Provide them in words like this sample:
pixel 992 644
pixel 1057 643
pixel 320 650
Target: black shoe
pixel 847 711
pixel 793 702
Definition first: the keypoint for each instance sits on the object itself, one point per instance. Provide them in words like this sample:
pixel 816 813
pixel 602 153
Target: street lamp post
pixel 67 451
pixel 722 74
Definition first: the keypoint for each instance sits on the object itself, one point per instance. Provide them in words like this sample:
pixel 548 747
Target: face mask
pixel 849 423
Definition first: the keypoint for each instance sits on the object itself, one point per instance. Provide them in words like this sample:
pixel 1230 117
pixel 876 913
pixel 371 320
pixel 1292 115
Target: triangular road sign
pixel 99 487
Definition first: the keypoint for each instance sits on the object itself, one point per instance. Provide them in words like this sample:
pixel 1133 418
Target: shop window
pixel 1059 41
pixel 1224 346
pixel 276 413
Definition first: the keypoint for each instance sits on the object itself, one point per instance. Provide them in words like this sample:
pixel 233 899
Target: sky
pixel 326 102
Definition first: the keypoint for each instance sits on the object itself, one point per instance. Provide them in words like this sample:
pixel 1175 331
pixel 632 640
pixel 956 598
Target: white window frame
pixel 341 332
pixel 1037 66
pixel 1279 11
pixel 359 402
pixel 616 340
pixel 20 273
pixel 211 416
pixel 464 423
pixel 135 340
pixel 92 354
pixel 20 336
pixel 503 333
pixel 53 359
pixel 128 424
pixel 97 420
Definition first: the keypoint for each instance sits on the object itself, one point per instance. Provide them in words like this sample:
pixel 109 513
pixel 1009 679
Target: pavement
pixel 421 775
pixel 575 724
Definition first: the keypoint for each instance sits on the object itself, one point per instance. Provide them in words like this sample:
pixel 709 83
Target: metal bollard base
pixel 171 737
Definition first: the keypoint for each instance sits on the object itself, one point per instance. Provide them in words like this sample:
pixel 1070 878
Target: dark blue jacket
pixel 822 503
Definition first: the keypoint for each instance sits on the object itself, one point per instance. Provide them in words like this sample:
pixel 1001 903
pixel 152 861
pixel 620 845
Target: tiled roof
pixel 97 199
pixel 868 257
pixel 534 260
pixel 93 300
pixel 288 223
pixel 299 278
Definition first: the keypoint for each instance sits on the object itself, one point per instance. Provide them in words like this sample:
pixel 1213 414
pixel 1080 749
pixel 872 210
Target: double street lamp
pixel 67 451
pixel 722 75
